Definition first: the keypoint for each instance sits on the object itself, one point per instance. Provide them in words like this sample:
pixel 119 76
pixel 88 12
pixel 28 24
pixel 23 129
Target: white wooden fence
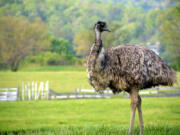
pixel 157 91
pixel 75 95
pixel 35 90
pixel 9 94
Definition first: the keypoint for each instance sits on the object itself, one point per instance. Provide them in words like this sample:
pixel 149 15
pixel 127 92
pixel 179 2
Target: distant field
pixel 91 117
pixel 64 81
pixel 53 68
pixel 61 79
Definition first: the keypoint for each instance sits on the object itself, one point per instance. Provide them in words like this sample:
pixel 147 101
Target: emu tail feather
pixel 169 77
pixel 172 77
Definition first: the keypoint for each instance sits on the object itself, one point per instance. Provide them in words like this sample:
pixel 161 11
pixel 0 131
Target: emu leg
pixel 134 102
pixel 140 115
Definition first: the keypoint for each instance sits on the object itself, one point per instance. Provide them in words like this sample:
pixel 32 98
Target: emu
pixel 127 68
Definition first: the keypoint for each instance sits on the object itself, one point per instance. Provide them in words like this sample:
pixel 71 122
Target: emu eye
pixel 102 24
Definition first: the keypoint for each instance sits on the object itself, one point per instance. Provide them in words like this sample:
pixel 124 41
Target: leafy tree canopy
pixel 19 38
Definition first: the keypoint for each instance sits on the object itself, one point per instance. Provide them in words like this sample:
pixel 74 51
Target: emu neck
pixel 98 35
pixel 98 43
pixel 95 51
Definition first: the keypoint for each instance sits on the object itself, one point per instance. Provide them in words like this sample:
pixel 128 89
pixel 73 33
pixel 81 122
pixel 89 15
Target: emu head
pixel 101 26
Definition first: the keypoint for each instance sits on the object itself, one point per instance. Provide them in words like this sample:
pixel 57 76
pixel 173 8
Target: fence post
pixel 157 91
pixel 76 93
pixel 29 91
pixel 18 94
pixel 22 91
pixel 35 89
pixel 32 92
pixel 40 92
pixel 25 91
pixel 7 94
pixel 49 94
pixel 46 90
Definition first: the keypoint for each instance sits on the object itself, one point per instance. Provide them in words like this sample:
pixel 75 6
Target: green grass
pixel 53 68
pixel 65 81
pixel 79 117
pixel 98 130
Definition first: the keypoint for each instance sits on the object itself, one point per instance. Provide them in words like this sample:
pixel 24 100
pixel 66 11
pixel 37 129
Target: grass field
pixel 63 81
pixel 53 68
pixel 90 117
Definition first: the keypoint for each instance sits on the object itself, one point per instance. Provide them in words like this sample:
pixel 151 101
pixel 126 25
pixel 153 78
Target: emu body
pixel 127 68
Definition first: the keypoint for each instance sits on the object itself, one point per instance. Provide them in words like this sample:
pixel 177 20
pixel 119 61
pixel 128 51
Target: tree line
pixel 60 32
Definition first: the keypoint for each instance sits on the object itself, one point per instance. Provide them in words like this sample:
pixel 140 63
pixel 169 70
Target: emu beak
pixel 106 29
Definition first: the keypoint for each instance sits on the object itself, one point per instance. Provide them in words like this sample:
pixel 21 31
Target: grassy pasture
pixel 91 117
pixel 63 81
pixel 52 68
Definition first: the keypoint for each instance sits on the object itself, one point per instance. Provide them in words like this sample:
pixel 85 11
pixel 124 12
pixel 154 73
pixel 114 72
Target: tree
pixel 171 35
pixel 19 38
pixel 60 46
pixel 136 20
pixel 152 26
pixel 83 42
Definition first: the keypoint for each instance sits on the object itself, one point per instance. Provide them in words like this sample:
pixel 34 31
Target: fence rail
pixel 9 94
pixel 13 94
pixel 75 95
pixel 157 91
pixel 87 93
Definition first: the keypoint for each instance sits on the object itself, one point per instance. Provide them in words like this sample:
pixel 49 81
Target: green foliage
pixel 59 53
pixel 83 41
pixel 60 46
pixel 171 35
pixel 20 38
pixel 70 27
pixel 51 58
pixel 65 19
pixel 48 58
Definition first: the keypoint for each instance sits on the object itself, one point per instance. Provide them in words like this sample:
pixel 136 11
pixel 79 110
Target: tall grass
pixel 99 130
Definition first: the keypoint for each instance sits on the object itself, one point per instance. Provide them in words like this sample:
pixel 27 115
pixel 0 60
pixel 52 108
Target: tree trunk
pixel 15 66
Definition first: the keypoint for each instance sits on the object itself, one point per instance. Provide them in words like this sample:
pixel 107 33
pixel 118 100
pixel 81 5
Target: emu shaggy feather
pixel 126 67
